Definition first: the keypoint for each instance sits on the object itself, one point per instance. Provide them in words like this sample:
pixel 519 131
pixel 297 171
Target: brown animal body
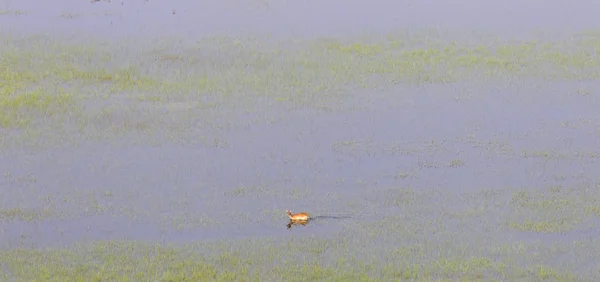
pixel 298 217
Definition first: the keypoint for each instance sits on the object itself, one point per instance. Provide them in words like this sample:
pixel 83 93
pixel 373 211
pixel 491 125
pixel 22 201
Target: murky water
pixel 114 19
pixel 400 166
pixel 305 164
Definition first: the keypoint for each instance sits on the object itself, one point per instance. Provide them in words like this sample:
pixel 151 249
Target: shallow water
pixel 326 163
pixel 184 18
pixel 456 168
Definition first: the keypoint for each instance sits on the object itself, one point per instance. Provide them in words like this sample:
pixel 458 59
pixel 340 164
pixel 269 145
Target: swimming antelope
pixel 297 217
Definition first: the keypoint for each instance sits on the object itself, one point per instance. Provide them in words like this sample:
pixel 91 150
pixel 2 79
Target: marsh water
pixel 495 175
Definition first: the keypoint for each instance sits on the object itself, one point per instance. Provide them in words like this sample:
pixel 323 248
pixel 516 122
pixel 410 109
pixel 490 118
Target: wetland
pixel 143 141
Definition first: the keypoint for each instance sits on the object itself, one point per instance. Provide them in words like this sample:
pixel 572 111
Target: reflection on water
pixel 305 222
pixel 296 223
